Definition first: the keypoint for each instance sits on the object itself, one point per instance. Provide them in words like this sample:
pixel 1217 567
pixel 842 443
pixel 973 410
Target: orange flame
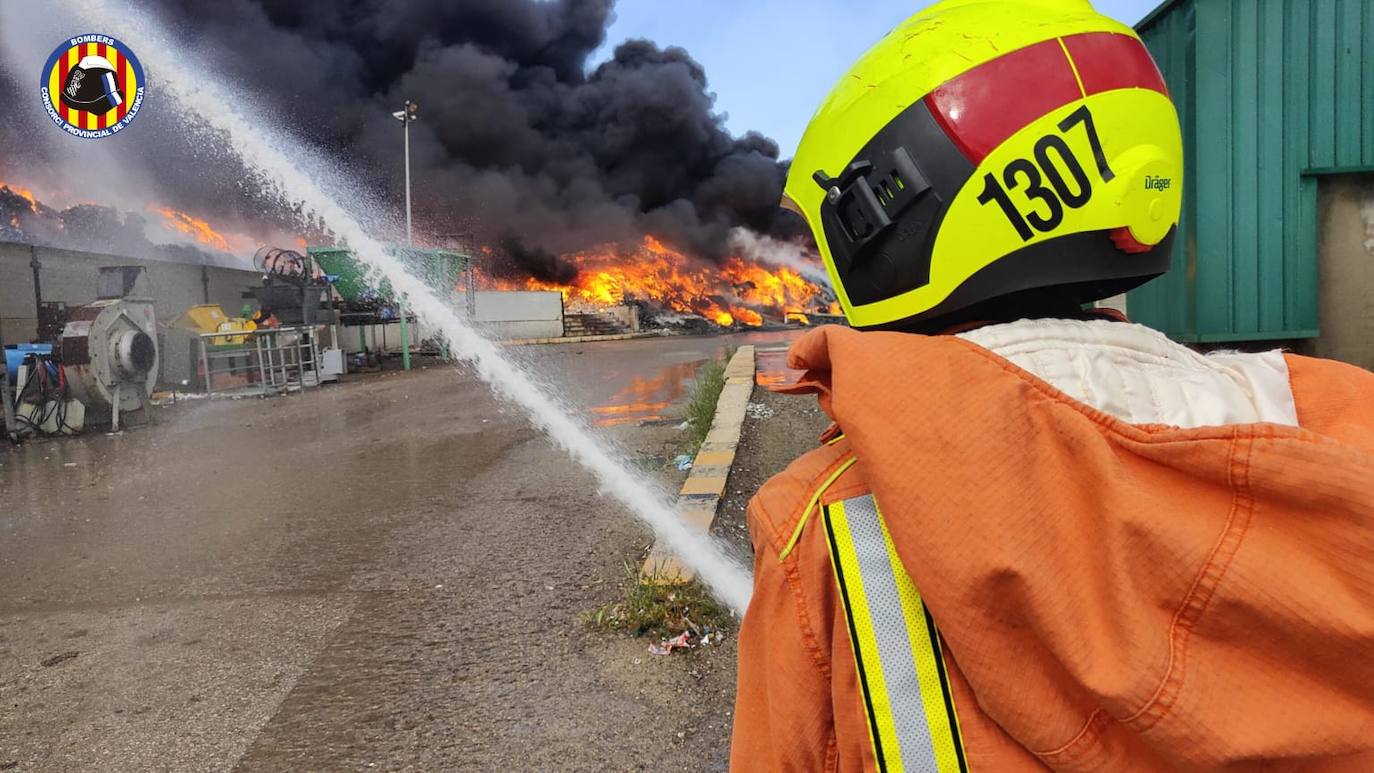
pixel 23 193
pixel 734 293
pixel 201 230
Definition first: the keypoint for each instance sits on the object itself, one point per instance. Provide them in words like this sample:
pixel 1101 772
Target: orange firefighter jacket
pixel 1108 596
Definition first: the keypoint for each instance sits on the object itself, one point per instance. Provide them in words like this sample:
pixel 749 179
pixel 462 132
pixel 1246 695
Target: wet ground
pixel 383 574
pixel 777 429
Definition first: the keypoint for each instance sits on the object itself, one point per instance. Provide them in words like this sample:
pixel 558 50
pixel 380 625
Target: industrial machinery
pixel 369 302
pixel 296 292
pixel 109 350
pixel 52 317
pixel 293 289
pixel 44 404
pixel 210 318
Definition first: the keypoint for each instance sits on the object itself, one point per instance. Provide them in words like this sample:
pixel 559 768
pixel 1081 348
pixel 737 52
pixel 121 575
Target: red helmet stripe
pixel 100 122
pixel 981 108
pixel 65 67
pixel 90 120
pixel 126 83
pixel 1107 61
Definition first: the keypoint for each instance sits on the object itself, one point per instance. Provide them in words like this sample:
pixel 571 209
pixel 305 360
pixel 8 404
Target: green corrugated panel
pixel 1272 94
pixel 1270 178
pixel 1167 303
pixel 1349 74
pixel 1367 92
pixel 1299 235
pixel 1211 178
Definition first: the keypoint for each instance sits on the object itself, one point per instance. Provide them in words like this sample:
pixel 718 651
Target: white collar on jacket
pixel 1140 376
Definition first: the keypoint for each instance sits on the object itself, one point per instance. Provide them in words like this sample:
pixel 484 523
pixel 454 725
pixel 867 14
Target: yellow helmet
pixel 989 149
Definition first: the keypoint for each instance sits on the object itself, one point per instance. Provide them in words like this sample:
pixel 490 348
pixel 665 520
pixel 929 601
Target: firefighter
pixel 1039 536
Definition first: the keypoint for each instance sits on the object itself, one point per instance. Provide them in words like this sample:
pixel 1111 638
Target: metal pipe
pixel 37 281
pixel 6 394
pixel 205 366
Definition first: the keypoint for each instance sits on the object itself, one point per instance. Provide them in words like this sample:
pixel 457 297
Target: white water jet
pixel 269 153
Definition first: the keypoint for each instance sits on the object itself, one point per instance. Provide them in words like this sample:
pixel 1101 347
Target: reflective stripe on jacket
pixel 1109 596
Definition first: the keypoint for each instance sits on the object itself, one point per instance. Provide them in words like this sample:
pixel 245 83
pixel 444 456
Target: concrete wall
pixel 1345 270
pixel 511 315
pixel 70 277
pixel 501 315
pixel 625 315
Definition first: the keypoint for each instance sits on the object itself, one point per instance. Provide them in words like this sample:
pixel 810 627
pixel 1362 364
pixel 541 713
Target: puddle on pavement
pixel 653 396
pixel 771 369
pixel 646 400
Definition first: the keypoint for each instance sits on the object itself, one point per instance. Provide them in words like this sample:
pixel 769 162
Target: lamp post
pixel 406 115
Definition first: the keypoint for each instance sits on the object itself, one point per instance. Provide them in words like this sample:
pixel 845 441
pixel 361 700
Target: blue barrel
pixel 15 354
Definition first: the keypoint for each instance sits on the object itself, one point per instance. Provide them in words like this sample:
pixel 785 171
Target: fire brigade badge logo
pixel 92 86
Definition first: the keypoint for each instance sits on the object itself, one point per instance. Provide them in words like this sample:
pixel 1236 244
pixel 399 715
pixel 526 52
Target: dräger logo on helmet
pixel 92 86
pixel 1153 183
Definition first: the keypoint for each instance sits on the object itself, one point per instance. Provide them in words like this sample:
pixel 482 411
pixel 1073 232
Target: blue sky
pixel 770 62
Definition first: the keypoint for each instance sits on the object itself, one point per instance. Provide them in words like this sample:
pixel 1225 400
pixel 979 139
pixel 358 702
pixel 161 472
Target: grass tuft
pixel 650 607
pixel 701 411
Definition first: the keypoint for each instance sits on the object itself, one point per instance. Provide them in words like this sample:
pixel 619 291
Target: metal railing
pixel 266 361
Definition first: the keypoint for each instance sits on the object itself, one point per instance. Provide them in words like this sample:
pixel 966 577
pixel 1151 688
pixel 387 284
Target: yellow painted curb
pixel 714 458
pixel 705 485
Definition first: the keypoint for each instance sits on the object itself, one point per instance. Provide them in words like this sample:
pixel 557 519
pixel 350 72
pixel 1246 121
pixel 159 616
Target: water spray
pixel 279 163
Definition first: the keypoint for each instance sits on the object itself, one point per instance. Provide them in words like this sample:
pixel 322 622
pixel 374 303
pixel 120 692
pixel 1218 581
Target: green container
pixel 439 269
pixel 1271 95
pixel 351 282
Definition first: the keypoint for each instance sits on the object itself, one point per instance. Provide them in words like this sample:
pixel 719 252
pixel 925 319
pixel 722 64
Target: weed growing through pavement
pixel 659 607
pixel 701 411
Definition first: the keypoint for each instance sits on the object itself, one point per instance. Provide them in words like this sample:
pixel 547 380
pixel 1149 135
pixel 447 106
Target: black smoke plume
pixel 519 143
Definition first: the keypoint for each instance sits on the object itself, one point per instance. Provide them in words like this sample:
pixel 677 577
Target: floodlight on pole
pixel 406 115
pixel 410 112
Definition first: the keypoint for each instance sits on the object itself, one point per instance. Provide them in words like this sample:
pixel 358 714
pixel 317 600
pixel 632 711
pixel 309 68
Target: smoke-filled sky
pixel 540 130
pixel 772 61
pixel 520 139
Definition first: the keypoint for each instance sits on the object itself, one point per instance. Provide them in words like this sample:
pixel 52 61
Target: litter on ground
pixel 666 647
pixel 759 411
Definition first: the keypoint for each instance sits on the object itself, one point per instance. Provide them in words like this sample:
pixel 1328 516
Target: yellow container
pixel 210 318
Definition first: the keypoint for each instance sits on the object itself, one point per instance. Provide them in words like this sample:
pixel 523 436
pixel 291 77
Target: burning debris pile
pixel 733 292
pixel 164 233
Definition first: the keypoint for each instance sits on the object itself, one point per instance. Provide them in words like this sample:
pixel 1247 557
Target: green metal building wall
pixel 1271 95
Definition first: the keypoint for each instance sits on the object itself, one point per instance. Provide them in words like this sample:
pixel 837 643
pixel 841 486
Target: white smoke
pixel 765 249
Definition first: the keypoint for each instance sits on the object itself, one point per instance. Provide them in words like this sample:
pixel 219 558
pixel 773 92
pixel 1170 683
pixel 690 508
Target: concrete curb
pixel 705 485
pixel 580 339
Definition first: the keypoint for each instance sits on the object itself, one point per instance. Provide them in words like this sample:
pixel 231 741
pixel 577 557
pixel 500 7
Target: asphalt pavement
pixel 381 574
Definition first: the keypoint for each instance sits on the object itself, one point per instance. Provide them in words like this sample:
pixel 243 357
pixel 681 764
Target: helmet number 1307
pixel 1053 159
